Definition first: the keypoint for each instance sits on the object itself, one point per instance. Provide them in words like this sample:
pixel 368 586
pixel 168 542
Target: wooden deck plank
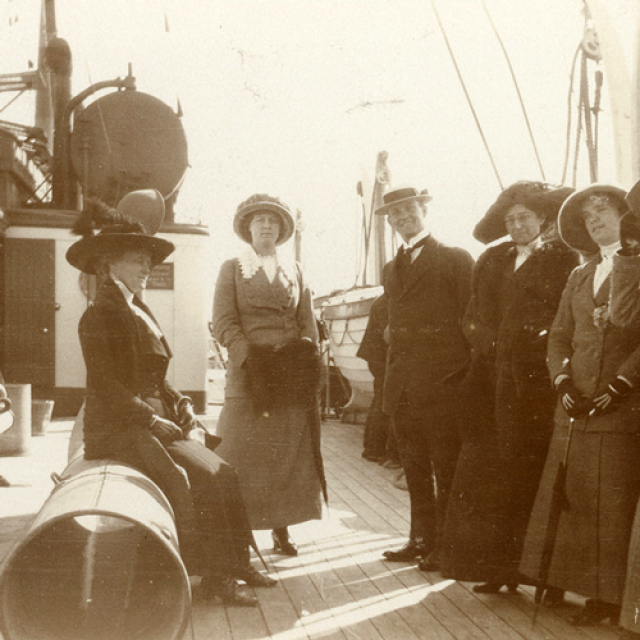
pixel 342 447
pixel 208 622
pixel 308 611
pixel 397 601
pixel 344 606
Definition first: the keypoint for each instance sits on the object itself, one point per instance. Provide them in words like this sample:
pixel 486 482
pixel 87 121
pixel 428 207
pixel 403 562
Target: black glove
pixel 575 404
pixel 616 392
pixel 630 235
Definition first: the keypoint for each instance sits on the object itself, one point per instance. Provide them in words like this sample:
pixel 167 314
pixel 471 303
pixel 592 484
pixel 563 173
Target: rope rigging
pixel 588 108
pixel 517 88
pixel 466 93
pixel 588 112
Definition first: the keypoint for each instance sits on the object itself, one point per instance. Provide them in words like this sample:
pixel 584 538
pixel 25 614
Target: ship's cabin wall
pixel 48 296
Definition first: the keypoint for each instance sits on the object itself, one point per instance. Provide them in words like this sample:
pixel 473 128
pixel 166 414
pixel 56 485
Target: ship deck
pixel 338 587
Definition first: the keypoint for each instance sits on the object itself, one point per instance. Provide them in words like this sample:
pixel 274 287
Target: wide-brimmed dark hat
pixel 398 195
pixel 110 231
pixel 269 204
pixel 571 220
pixel 540 197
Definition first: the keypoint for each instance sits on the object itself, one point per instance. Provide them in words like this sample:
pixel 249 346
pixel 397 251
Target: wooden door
pixel 30 314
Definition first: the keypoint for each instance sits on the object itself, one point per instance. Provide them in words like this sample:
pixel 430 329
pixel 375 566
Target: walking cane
pixel 558 503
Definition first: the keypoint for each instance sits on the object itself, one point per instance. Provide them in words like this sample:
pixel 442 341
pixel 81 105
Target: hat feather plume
pixel 96 215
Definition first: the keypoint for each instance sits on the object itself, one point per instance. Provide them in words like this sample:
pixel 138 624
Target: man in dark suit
pixel 428 285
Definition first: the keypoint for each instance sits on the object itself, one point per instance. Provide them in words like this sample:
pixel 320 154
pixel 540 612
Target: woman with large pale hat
pixel 517 287
pixel 270 425
pixel 134 415
pixel 595 367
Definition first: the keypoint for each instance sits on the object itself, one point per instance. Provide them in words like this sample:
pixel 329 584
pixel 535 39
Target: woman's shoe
pixel 283 543
pixel 228 590
pixel 254 578
pixel 596 611
pixel 553 597
pixel 494 587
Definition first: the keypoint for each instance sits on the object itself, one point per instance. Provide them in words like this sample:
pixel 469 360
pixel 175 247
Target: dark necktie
pixel 404 262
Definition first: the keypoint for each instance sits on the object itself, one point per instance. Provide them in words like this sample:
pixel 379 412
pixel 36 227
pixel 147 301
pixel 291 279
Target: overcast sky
pixel 297 98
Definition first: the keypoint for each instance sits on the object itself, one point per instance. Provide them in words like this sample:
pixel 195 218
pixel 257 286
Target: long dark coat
pixel 276 453
pixel 426 348
pixel 625 312
pixel 505 445
pixel 125 363
pixel 112 350
pixel 603 474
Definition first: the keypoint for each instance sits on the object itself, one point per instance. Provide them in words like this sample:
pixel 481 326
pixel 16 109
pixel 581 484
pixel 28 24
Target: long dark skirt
pixel 211 518
pixel 497 474
pixel 602 487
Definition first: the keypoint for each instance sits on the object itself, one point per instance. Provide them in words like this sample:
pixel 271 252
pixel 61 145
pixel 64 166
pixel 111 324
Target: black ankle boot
pixel 283 543
pixel 228 590
pixel 594 612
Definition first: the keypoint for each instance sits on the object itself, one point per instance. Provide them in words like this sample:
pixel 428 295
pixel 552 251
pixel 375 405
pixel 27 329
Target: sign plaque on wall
pixel 161 277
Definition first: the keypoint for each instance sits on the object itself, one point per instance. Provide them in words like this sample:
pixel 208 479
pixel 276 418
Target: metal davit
pixel 100 562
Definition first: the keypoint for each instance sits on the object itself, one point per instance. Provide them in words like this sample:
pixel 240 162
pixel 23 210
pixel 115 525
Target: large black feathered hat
pixel 543 198
pixel 107 231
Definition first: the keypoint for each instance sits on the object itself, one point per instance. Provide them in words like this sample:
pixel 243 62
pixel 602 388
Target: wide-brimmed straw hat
pixel 261 202
pixel 571 219
pixel 397 195
pixel 110 231
pixel 540 197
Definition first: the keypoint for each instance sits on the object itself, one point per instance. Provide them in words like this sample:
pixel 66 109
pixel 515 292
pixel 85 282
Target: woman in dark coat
pixel 270 421
pixel 516 290
pixel 134 415
pixel 625 313
pixel 594 367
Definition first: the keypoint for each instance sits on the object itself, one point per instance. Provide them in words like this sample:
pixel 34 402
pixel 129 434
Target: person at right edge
pixel 625 313
pixel 428 285
pixel 580 527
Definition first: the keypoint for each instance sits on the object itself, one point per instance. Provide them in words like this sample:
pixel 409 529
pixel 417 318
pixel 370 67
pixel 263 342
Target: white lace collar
pixel 251 263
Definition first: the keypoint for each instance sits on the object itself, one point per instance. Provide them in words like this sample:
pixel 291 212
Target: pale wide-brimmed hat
pixel 540 197
pixel 108 231
pixel 397 195
pixel 262 202
pixel 571 220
